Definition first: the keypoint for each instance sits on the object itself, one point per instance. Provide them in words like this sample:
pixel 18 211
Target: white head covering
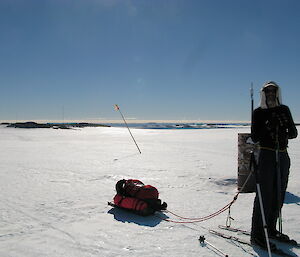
pixel 263 100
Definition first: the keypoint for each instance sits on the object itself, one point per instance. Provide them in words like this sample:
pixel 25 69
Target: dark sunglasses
pixel 270 90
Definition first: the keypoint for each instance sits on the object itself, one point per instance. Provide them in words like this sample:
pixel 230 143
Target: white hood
pixel 263 102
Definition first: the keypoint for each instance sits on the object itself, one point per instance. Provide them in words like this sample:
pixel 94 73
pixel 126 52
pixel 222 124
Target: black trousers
pixel 267 178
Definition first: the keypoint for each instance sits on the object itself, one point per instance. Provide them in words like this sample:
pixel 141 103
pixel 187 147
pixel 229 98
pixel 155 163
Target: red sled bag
pixel 135 205
pixel 136 188
pixel 135 196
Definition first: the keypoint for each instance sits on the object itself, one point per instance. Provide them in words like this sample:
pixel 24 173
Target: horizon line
pixel 114 121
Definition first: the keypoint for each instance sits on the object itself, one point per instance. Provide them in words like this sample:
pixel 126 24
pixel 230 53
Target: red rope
pixel 194 220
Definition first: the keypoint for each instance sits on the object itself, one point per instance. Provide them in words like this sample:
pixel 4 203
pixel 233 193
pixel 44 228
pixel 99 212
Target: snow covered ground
pixel 55 185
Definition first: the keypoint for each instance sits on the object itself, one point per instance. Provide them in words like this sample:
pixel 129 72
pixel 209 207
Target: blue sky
pixel 157 59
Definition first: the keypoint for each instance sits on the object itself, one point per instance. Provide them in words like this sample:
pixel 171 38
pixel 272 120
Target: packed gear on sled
pixel 133 195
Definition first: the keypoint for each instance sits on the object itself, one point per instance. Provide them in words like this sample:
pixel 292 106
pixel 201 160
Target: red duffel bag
pixel 135 196
pixel 135 205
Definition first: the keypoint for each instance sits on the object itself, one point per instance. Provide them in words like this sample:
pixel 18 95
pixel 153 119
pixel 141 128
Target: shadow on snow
pixel 127 216
pixel 291 198
pixel 264 253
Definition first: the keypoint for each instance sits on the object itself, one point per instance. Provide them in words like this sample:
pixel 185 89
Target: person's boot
pixel 262 243
pixel 276 235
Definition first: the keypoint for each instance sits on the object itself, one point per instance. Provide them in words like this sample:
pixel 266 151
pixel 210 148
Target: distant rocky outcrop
pixel 31 124
pixel 28 124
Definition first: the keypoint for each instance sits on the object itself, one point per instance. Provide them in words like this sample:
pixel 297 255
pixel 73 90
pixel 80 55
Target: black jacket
pixel 273 125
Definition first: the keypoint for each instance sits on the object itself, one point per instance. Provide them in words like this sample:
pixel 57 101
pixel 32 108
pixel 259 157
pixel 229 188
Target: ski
pixel 230 237
pixel 277 251
pixel 291 242
pixel 244 232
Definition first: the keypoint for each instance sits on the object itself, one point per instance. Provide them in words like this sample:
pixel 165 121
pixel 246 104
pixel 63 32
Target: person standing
pixel 272 126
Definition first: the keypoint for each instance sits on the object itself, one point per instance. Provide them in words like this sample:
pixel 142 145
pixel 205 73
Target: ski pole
pixel 263 219
pixel 278 182
pixel 204 241
pixel 117 108
pixel 252 101
pixel 261 206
